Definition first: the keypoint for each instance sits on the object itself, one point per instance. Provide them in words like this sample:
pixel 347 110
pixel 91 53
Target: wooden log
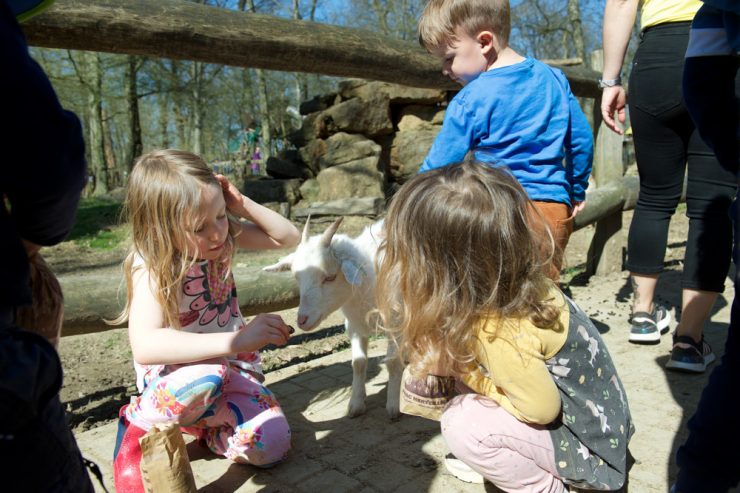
pixel 184 30
pixel 90 298
pixel 600 203
pixel 605 253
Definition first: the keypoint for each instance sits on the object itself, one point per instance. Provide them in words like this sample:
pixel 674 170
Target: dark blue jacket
pixel 42 162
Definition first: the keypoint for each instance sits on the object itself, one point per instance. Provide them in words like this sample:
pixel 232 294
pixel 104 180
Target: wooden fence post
pixel 605 252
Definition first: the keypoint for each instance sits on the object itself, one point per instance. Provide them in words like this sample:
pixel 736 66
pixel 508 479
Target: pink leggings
pixel 230 409
pixel 513 455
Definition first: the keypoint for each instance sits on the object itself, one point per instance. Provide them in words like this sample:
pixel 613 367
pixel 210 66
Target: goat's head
pixel 324 281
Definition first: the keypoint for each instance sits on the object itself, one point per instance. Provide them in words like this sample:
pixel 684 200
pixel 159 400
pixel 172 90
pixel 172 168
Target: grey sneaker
pixel 462 471
pixel 690 356
pixel 647 327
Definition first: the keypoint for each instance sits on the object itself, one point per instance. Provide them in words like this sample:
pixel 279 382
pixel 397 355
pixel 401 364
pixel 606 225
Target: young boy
pixel 513 111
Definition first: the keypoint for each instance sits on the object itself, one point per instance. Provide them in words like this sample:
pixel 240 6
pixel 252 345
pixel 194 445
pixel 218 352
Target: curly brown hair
pixel 459 249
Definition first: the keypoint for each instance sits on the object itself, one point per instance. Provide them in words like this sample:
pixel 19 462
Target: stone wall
pixel 355 148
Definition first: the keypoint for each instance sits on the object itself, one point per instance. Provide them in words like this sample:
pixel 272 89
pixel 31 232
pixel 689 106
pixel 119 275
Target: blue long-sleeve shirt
pixel 525 117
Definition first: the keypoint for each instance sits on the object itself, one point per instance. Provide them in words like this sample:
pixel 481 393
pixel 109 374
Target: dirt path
pixel 99 376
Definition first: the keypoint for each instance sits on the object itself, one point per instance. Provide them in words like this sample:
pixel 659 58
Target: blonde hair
pixel 458 250
pixel 441 18
pixel 162 207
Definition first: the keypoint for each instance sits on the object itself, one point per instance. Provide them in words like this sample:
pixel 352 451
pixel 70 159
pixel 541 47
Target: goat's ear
pixel 330 231
pixel 353 272
pixel 283 264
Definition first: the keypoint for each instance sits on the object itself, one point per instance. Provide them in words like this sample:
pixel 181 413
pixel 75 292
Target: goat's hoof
pixel 355 410
pixel 393 411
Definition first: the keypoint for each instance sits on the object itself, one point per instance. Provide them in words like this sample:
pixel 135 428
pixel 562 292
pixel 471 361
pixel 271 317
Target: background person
pixel 666 143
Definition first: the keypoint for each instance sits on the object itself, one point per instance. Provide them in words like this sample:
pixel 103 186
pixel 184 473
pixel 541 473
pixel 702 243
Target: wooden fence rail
pixel 184 30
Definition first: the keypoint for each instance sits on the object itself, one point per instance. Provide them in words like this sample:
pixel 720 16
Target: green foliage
pixel 97 224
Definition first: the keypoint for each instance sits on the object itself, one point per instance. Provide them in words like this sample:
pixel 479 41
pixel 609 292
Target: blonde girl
pixel 196 359
pixel 461 285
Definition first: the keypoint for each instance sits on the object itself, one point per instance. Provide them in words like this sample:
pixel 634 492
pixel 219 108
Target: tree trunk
pixel 264 111
pixel 136 146
pixel 181 119
pixel 163 100
pixel 301 81
pixel 94 77
pixel 574 20
pixel 381 11
pixel 196 108
pixel 116 176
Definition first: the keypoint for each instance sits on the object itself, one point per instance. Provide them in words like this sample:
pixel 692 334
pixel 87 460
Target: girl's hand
pixel 264 329
pixel 232 195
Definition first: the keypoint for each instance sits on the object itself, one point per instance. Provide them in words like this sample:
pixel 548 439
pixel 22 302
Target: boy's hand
pixel 232 195
pixel 614 99
pixel 264 329
pixel 578 207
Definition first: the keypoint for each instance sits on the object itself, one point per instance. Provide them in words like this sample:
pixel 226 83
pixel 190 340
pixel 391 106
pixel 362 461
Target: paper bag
pixel 165 467
pixel 46 312
pixel 425 397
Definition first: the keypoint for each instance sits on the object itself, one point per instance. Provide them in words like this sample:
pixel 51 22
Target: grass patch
pixel 97 224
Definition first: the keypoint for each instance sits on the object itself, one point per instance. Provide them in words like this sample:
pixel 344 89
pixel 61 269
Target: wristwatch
pixel 604 83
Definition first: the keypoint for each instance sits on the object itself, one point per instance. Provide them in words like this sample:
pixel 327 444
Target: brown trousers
pixel 558 217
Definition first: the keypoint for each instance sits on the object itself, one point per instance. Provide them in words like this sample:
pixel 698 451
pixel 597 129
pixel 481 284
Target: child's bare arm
pixel 151 343
pixel 267 230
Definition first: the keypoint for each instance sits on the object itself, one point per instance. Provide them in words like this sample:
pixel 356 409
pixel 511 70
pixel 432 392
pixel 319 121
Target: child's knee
pixel 264 445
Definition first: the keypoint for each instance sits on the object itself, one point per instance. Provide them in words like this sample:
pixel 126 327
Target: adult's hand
pixel 614 100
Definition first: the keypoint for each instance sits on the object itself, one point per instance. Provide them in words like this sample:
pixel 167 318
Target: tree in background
pixel 130 104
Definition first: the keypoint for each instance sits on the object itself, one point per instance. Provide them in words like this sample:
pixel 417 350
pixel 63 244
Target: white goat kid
pixel 335 271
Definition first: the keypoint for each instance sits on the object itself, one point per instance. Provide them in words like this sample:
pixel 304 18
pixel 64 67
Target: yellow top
pixel 656 12
pixel 512 368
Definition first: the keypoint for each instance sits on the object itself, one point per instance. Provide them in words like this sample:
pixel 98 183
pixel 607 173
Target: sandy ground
pixel 99 376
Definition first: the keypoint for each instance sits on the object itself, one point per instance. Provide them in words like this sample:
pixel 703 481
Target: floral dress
pixel 222 401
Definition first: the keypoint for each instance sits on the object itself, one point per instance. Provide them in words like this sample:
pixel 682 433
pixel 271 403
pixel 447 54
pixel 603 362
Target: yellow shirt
pixel 656 12
pixel 512 369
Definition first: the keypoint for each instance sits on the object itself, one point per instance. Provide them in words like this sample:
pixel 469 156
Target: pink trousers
pixel 513 455
pixel 228 408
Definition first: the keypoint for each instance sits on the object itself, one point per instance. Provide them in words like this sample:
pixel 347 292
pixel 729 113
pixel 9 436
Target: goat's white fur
pixel 335 272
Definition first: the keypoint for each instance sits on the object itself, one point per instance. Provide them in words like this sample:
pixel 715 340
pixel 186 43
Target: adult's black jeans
pixel 666 143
